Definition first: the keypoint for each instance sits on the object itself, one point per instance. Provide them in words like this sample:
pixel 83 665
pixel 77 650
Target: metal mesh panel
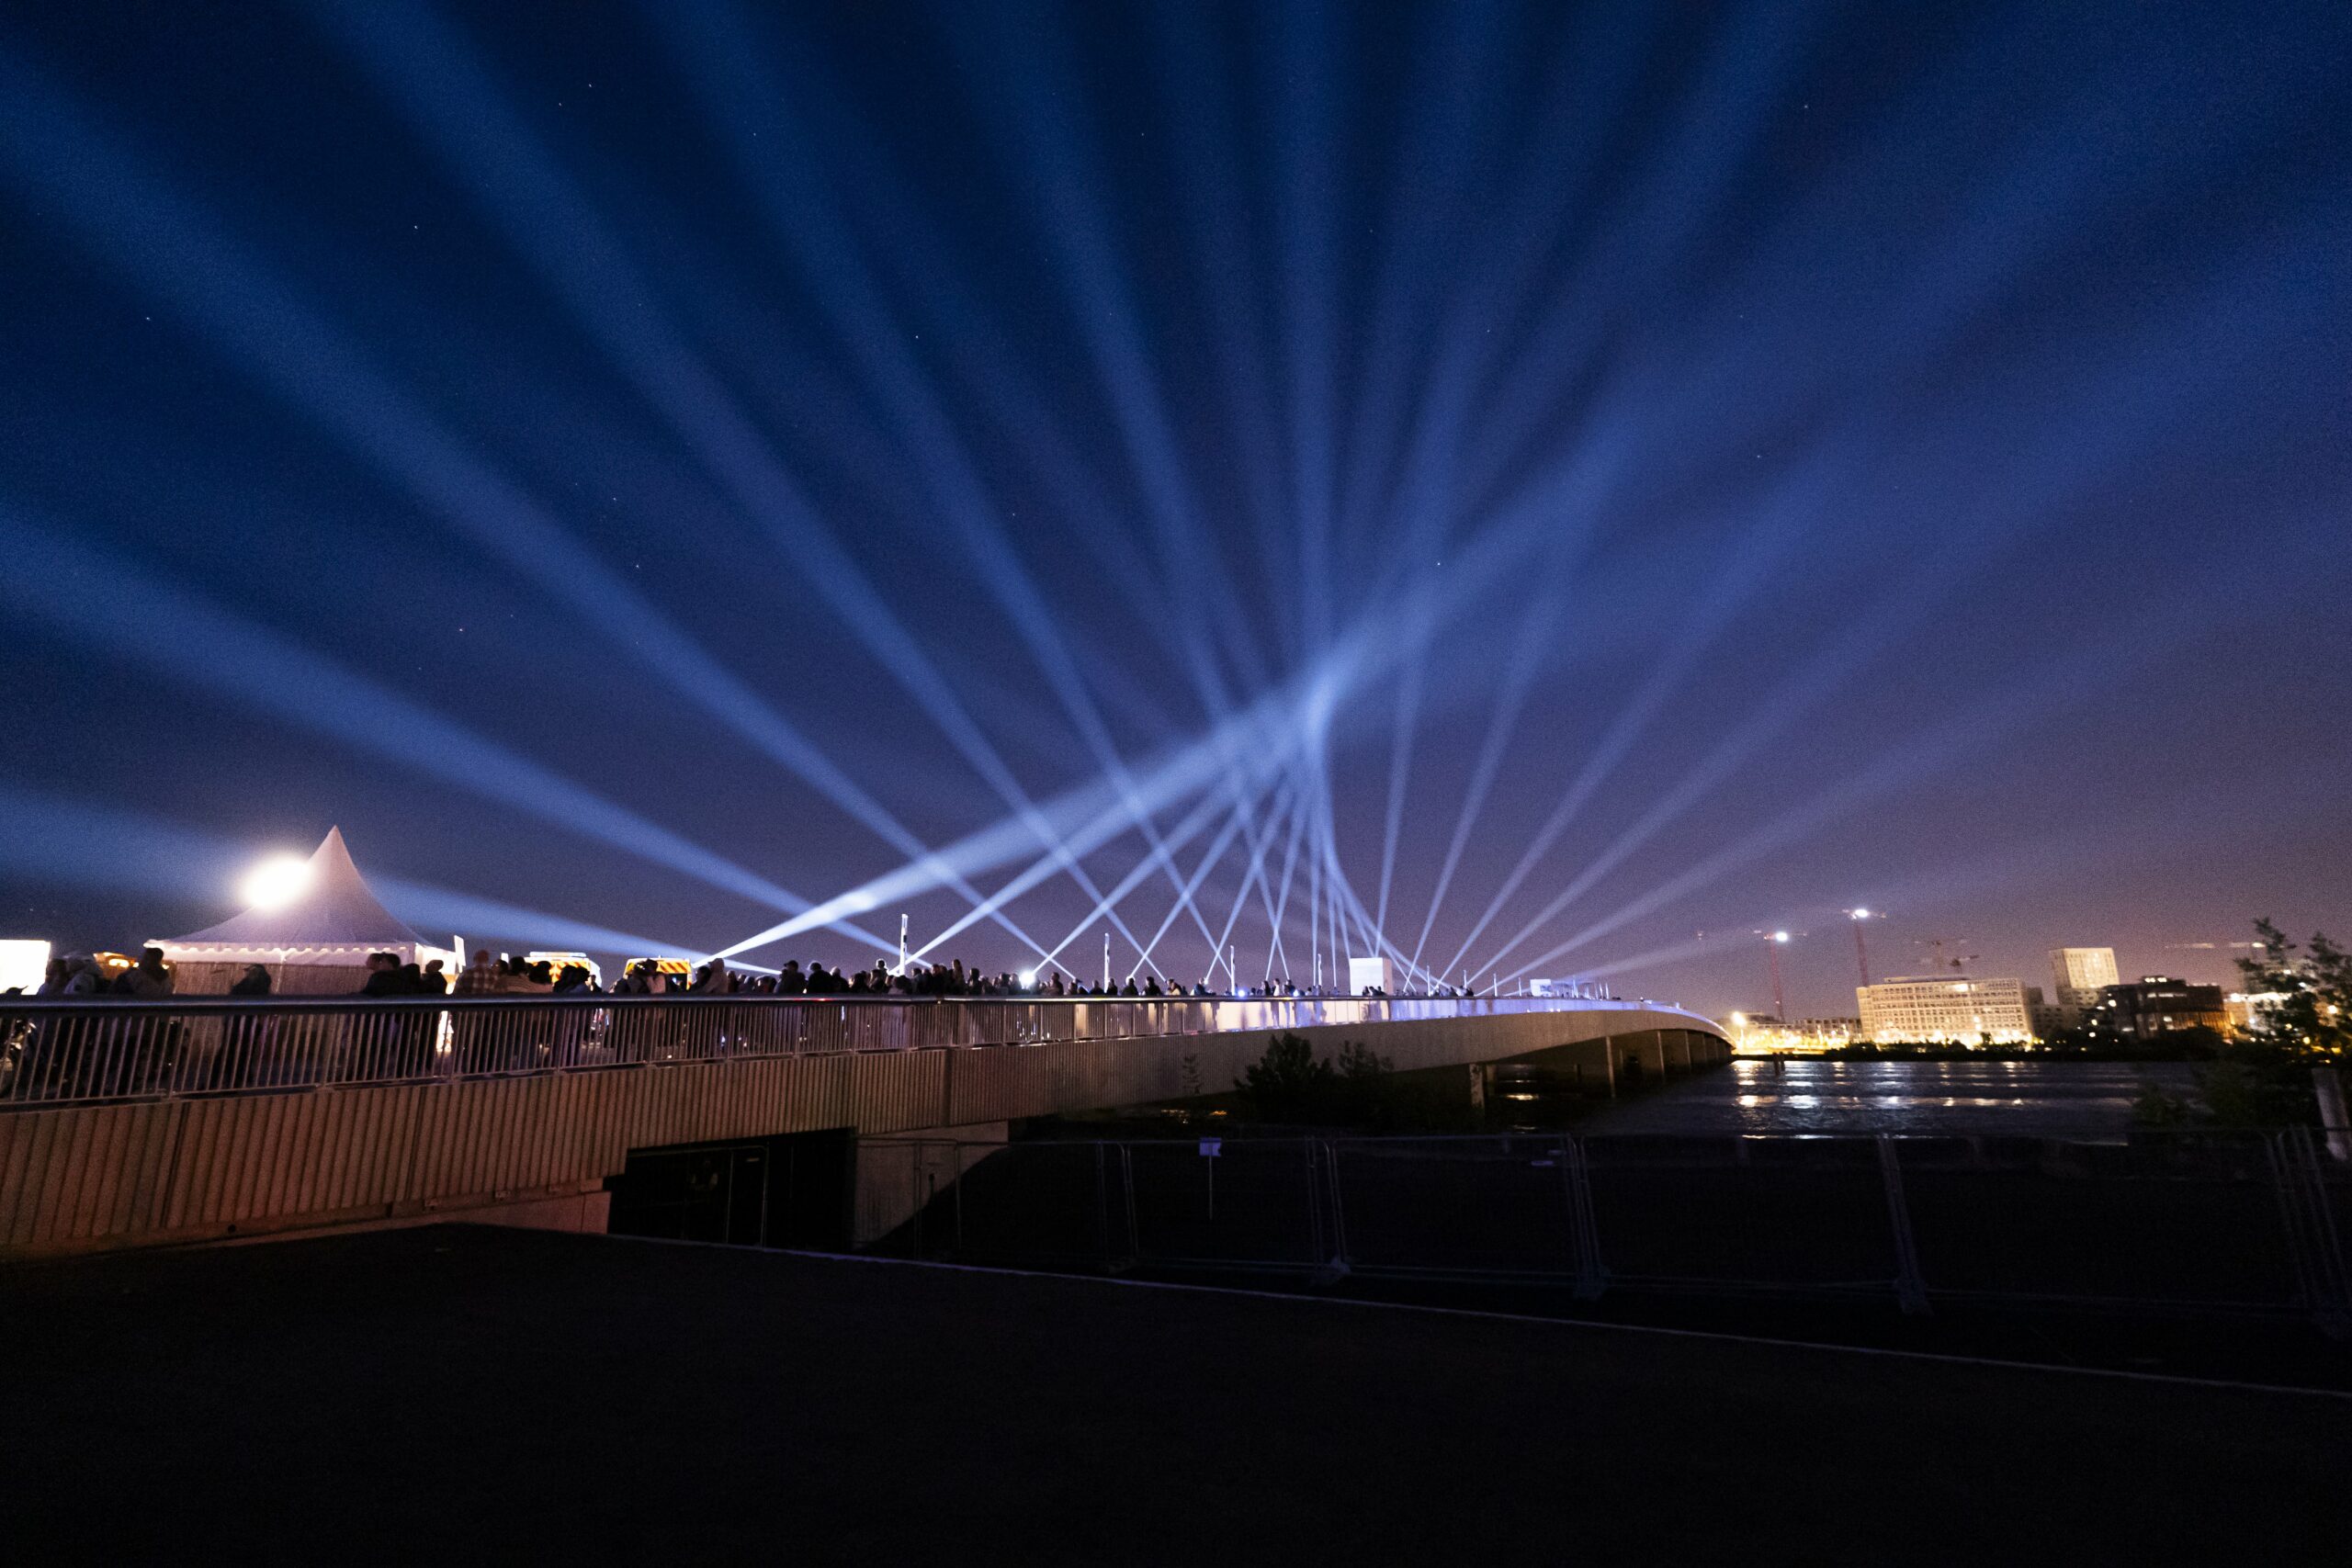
pixel 2243 1220
pixel 1742 1210
pixel 2186 1217
pixel 1460 1205
pixel 1242 1203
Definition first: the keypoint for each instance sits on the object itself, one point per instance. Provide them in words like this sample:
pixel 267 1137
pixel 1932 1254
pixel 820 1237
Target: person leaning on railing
pixel 146 980
pixel 73 976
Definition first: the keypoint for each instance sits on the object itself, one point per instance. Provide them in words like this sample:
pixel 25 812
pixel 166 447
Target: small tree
pixel 2152 1107
pixel 2312 1015
pixel 1287 1084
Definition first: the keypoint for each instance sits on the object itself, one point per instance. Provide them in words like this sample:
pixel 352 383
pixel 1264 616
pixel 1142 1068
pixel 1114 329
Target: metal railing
pixel 2206 1220
pixel 54 1052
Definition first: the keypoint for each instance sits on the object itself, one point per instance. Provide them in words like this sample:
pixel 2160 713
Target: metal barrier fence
pixel 54 1052
pixel 2209 1220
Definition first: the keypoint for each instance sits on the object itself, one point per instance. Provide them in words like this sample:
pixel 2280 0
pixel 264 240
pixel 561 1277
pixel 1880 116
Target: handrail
pixel 57 1052
pixel 11 1007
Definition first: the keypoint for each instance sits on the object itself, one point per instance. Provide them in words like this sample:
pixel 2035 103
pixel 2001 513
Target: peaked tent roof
pixel 335 909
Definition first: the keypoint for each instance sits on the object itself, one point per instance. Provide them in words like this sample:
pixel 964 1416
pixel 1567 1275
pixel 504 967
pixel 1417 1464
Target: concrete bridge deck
pixel 127 1124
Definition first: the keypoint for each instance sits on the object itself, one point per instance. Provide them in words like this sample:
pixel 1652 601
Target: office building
pixel 1942 1008
pixel 2153 1005
pixel 2078 975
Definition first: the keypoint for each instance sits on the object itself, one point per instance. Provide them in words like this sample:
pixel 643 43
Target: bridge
pixel 141 1124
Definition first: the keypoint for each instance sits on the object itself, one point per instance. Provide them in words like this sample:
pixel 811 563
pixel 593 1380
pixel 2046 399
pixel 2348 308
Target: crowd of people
pixel 488 975
pixel 952 980
pixel 79 975
pixel 648 976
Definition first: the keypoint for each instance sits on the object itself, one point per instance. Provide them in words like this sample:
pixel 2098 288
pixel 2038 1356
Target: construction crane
pixel 1861 953
pixel 1773 941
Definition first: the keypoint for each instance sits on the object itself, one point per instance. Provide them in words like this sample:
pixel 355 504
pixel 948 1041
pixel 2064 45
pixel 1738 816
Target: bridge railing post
pixel 1910 1287
pixel 1338 1246
pixel 1584 1237
pixel 1102 1208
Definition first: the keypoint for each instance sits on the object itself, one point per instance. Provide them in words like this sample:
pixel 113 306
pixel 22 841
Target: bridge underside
pixel 540 1149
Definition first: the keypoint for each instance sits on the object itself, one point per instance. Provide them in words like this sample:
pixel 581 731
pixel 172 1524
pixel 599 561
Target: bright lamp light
pixel 1028 978
pixel 1780 936
pixel 277 881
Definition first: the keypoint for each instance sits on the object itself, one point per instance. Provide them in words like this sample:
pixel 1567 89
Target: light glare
pixel 276 882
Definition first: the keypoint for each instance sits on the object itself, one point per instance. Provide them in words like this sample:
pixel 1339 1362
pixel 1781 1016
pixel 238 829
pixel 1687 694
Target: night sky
pixel 1573 485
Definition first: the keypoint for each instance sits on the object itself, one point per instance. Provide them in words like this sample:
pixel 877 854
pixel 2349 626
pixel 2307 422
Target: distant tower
pixel 903 944
pixel 1106 961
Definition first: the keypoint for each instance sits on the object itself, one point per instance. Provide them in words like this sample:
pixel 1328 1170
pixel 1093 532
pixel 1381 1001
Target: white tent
pixel 316 944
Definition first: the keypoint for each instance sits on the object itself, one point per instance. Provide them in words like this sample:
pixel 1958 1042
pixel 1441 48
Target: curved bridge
pixel 130 1124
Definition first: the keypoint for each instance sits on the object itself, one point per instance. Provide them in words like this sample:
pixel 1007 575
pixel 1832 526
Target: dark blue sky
pixel 657 467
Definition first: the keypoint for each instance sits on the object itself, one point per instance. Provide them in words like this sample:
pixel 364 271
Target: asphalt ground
pixel 466 1394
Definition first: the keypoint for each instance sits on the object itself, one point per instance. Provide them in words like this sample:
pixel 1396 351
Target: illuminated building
pixel 23 963
pixel 2156 1004
pixel 2078 975
pixel 1754 1034
pixel 1942 1008
pixel 2244 1009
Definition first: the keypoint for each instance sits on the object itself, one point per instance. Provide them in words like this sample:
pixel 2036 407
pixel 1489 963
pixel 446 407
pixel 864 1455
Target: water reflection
pixel 2080 1098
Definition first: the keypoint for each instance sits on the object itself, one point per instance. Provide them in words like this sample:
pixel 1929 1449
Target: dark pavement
pixel 465 1392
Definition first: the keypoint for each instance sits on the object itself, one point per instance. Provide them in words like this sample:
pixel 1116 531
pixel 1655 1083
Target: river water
pixel 2026 1098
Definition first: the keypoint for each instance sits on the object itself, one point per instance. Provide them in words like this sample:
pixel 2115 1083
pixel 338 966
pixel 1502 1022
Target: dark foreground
pixel 469 1393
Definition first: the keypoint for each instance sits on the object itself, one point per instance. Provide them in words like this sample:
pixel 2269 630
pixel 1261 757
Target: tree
pixel 1287 1083
pixel 2313 1014
pixel 2152 1107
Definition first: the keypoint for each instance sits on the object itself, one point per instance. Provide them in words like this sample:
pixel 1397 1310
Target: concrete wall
pixel 89 1178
